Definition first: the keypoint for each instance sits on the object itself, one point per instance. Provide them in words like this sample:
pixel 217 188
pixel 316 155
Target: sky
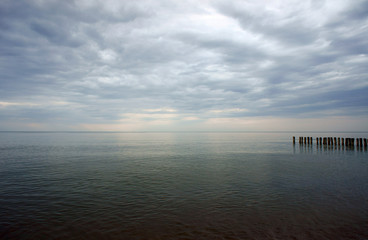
pixel 196 65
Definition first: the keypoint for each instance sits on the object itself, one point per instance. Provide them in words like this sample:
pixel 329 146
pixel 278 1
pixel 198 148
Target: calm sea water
pixel 180 186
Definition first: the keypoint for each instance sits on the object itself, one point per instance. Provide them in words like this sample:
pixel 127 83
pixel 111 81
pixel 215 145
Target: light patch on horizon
pixel 170 110
pixel 191 118
pixel 231 110
pixel 148 116
pixel 9 104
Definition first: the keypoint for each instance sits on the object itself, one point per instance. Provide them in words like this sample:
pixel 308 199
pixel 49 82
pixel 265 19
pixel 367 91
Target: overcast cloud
pixel 183 65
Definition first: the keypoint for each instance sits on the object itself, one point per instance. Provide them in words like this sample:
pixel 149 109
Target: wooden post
pixel 308 138
pixel 293 139
pixel 335 141
pixel 360 142
pixel 342 141
pixel 338 141
pixel 329 141
pixel 320 141
pixel 317 141
pixel 305 140
pixel 365 142
pixel 311 138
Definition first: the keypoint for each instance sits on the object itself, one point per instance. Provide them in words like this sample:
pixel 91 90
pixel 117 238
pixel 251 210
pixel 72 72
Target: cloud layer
pixel 179 65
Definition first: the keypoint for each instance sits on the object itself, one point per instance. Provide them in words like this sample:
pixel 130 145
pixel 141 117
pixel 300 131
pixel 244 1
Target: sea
pixel 181 185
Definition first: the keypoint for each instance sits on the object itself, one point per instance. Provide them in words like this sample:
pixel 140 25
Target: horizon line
pixel 191 131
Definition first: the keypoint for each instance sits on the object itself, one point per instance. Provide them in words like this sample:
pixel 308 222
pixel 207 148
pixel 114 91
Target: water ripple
pixel 158 191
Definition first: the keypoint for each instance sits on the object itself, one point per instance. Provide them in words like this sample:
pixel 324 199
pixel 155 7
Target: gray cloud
pixel 96 62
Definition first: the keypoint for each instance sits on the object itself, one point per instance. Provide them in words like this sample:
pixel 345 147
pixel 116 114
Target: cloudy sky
pixel 159 65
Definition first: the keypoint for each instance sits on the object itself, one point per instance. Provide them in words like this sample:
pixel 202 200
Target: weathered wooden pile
pixel 334 141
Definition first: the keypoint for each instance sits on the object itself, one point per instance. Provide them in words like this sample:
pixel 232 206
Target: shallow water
pixel 180 186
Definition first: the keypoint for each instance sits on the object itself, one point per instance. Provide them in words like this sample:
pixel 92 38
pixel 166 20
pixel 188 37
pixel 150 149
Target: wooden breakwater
pixel 333 141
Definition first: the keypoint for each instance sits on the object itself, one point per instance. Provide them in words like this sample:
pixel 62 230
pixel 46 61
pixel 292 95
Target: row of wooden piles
pixel 334 141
